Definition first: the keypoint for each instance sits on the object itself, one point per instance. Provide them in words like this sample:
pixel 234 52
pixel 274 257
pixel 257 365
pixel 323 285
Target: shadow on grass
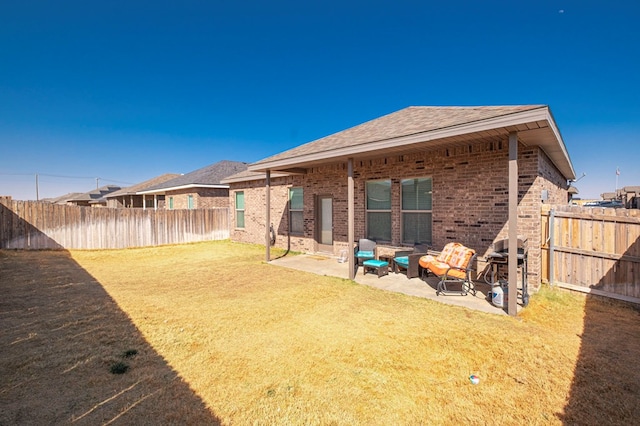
pixel 62 337
pixel 606 384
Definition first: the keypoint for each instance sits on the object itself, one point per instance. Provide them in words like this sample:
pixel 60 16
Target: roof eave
pixel 558 153
pixel 112 195
pixel 179 187
pixel 254 177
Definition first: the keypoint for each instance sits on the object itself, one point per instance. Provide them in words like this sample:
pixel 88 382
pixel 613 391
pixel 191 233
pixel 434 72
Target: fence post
pixel 552 214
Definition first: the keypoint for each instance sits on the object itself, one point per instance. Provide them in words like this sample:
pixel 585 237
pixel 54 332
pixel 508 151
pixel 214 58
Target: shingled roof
pixel 134 189
pixel 95 194
pixel 62 199
pixel 413 127
pixel 208 176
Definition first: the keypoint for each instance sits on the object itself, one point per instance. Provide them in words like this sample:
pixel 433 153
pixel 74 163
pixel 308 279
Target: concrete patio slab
pixel 321 264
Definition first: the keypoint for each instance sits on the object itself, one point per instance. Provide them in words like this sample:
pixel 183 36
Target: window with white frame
pixel 416 211
pixel 379 210
pixel 240 209
pixel 190 201
pixel 296 206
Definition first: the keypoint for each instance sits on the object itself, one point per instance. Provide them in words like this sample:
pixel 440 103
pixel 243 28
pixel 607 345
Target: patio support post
pixel 552 248
pixel 350 219
pixel 512 307
pixel 267 221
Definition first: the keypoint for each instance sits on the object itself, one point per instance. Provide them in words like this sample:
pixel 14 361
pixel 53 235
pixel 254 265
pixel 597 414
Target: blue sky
pixel 128 90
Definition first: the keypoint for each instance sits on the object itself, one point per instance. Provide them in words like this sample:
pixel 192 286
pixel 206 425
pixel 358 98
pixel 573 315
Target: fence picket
pixel 594 249
pixel 38 225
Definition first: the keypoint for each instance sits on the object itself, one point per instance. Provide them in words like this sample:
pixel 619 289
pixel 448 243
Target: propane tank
pixel 497 295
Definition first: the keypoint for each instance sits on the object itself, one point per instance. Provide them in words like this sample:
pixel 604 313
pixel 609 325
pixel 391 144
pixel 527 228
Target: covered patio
pixel 322 264
pixel 418 176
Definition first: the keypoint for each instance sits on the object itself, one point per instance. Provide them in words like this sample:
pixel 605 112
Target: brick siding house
pixel 93 198
pixel 200 189
pixel 130 196
pixel 629 196
pixel 418 176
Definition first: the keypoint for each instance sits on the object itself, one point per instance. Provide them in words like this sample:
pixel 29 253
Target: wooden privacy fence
pixel 593 250
pixel 39 225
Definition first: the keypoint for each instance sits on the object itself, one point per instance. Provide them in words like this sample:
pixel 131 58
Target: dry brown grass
pixel 216 327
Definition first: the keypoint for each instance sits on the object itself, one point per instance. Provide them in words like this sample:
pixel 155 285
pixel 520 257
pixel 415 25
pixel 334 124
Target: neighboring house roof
pixel 247 176
pixel 134 189
pixel 94 195
pixel 63 198
pixel 419 127
pixel 207 177
pixel 630 189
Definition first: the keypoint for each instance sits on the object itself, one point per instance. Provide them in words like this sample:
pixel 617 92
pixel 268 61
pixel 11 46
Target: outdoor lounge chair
pixel 366 250
pixel 407 261
pixel 453 265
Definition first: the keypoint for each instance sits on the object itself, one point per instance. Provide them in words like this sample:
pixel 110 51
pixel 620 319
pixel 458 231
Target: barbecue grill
pixel 499 259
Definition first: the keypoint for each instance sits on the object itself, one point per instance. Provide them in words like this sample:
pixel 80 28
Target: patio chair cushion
pixel 456 270
pixel 461 256
pixel 460 260
pixel 437 267
pixel 402 261
pixel 426 260
pixel 365 255
pixel 375 263
pixel 457 256
pixel 443 257
pixel 447 252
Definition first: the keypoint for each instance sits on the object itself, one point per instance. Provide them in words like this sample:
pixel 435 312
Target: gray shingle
pixel 131 190
pixel 407 121
pixel 95 194
pixel 208 175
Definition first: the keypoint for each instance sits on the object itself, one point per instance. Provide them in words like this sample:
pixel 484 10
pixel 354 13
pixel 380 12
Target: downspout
pixel 288 234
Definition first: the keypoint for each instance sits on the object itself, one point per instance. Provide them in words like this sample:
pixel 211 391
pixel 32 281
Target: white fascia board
pixel 563 148
pixel 124 194
pixel 514 119
pixel 254 178
pixel 176 188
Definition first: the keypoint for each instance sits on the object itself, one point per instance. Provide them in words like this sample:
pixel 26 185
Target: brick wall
pixel 203 198
pixel 254 216
pixel 209 198
pixel 470 197
pixel 550 180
